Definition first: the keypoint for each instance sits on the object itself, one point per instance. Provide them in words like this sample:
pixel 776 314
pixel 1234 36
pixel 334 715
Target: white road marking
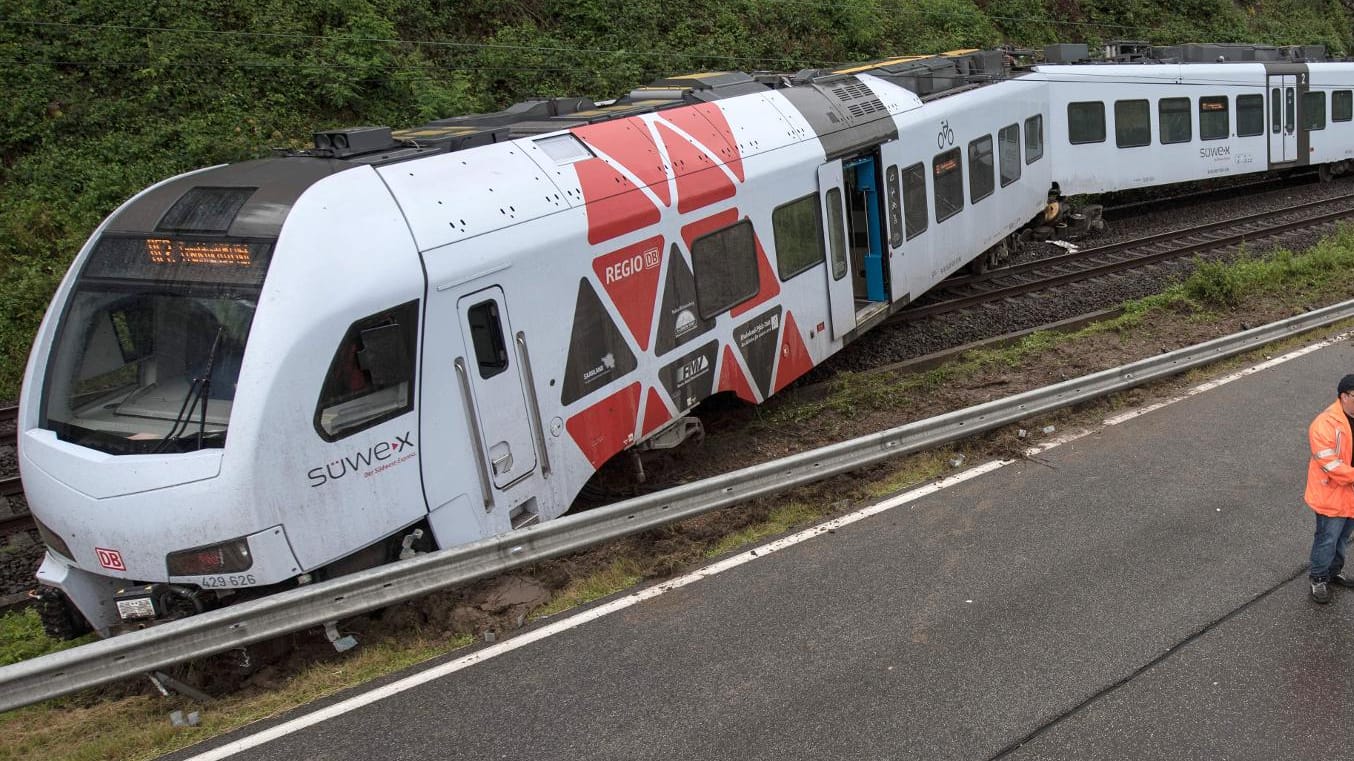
pixel 621 603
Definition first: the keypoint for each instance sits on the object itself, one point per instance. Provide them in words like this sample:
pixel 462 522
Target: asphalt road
pixel 1136 593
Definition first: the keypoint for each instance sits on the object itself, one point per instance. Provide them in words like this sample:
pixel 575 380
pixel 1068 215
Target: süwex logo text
pixel 368 462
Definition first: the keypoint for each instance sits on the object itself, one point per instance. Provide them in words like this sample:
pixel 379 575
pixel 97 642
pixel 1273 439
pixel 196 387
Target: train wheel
pixel 60 619
pixel 1324 173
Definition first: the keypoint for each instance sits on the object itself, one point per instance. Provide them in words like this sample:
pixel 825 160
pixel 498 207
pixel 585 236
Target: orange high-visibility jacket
pixel 1330 479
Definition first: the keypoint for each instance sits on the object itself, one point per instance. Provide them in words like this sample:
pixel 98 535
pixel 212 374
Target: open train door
pixel 1283 118
pixel 840 287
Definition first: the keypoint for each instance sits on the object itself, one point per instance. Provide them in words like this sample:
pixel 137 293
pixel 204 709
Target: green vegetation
pixel 105 98
pixel 620 574
pixel 139 727
pixel 22 637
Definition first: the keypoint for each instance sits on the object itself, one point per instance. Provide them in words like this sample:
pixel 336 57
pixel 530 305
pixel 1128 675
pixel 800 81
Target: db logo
pixel 110 559
pixel 652 258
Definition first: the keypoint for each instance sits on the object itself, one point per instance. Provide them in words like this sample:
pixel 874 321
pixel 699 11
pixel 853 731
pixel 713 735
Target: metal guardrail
pixel 236 626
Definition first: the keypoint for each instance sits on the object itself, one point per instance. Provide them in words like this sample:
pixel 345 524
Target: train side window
pixel 980 169
pixel 486 336
pixel 371 377
pixel 949 183
pixel 1342 105
pixel 1250 115
pixel 1313 111
pixel 836 229
pixel 914 200
pixel 1086 122
pixel 725 267
pixel 1214 122
pixel 1034 138
pixel 1132 123
pixel 798 231
pixel 1008 153
pixel 1275 110
pixel 1176 123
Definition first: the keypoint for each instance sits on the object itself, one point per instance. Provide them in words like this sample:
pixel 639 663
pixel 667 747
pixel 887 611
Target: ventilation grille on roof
pixel 859 99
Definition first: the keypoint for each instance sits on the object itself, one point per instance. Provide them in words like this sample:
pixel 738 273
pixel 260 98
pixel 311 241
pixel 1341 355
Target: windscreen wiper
pixel 197 390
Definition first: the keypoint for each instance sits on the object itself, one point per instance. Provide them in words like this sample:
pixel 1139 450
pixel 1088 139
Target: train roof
pixel 927 76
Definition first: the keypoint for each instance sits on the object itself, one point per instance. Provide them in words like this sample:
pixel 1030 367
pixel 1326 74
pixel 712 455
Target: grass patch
pixel 139 727
pixel 782 520
pixel 622 573
pixel 912 471
pixel 22 637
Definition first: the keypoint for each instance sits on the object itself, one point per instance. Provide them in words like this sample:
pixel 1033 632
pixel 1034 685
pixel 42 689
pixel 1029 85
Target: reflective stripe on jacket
pixel 1330 479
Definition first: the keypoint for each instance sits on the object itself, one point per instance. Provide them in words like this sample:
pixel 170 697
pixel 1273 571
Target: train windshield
pixel 148 351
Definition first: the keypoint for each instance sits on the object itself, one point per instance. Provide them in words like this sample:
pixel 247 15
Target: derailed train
pixel 263 373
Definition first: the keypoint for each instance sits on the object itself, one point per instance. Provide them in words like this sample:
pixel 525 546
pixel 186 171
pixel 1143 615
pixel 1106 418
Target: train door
pixel 839 283
pixel 865 233
pixel 1283 118
pixel 495 386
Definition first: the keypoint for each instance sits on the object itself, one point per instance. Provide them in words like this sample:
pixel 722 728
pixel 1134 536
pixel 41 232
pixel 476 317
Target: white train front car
pixel 169 420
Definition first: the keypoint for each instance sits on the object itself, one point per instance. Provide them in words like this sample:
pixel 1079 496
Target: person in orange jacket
pixel 1330 490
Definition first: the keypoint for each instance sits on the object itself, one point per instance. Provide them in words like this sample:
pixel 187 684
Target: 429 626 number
pixel 224 582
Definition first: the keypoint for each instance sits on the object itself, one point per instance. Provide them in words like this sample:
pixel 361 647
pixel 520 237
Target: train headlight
pixel 53 540
pixel 226 557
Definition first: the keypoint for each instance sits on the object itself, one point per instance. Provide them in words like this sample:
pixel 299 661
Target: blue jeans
pixel 1328 546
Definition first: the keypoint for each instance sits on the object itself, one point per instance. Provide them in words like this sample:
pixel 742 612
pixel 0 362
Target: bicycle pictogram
pixel 946 135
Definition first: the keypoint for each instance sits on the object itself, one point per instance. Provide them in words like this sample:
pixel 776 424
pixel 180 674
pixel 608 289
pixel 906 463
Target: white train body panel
pixel 457 341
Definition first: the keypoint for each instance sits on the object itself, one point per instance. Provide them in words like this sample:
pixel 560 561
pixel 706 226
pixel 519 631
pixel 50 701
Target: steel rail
pixel 11 486
pixel 216 631
pixel 14 524
pixel 1088 273
pixel 1169 236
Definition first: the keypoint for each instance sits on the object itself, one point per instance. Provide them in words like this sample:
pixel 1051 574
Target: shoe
pixel 1320 592
pixel 1343 579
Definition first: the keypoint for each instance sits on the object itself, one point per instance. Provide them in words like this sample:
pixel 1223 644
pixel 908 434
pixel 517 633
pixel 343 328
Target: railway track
pixel 10 486
pixel 1024 279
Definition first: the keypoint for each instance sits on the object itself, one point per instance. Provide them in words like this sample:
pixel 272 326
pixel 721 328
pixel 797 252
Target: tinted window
pixel 1008 154
pixel 799 236
pixel 1034 139
pixel 1176 123
pixel 1313 110
pixel 980 168
pixel 1132 123
pixel 371 378
pixel 1275 110
pixel 1086 122
pixel 1250 115
pixel 1213 121
pixel 914 200
pixel 1342 105
pixel 949 184
pixel 486 335
pixel 725 266
pixel 836 233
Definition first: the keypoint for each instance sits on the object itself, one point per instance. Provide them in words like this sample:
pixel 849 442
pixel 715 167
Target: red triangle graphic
pixel 606 427
pixel 766 277
pixel 629 143
pixel 706 123
pixel 794 355
pixel 708 225
pixel 615 206
pixel 655 412
pixel 630 277
pixel 732 378
pixel 700 181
